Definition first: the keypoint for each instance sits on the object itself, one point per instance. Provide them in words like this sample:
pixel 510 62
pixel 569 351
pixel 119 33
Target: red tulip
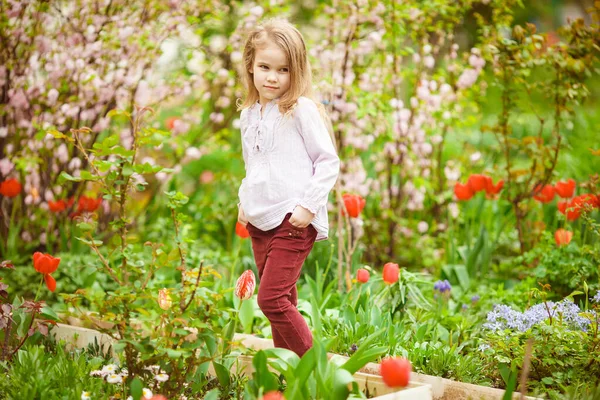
pixel 562 206
pixel 565 189
pixel 390 273
pixel 244 287
pixel 50 282
pixel 46 264
pixel 478 182
pixel 545 194
pixel 57 206
pixel 273 395
pixel 241 230
pixel 10 188
pixel 88 204
pixel 492 189
pixel 463 192
pixel 395 372
pixel 354 204
pixel 562 237
pixel 362 275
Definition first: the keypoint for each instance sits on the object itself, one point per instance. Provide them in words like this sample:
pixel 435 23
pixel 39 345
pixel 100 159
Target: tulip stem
pixel 39 288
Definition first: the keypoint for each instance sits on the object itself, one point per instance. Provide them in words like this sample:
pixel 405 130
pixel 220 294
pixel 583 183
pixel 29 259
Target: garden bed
pixel 368 377
pixel 369 381
pixel 441 388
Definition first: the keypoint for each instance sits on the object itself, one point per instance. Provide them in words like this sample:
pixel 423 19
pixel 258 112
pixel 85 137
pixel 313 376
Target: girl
pixel 291 166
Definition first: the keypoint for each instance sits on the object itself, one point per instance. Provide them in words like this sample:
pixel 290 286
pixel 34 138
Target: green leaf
pixel 87 176
pixel 341 379
pixel 136 388
pixel 66 177
pixel 115 112
pixel 48 313
pixel 316 318
pixel 222 374
pixel 247 314
pixel 262 376
pixel 174 353
pixel 212 394
pixel 365 353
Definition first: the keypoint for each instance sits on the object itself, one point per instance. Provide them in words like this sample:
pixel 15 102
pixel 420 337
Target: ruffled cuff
pixel 313 208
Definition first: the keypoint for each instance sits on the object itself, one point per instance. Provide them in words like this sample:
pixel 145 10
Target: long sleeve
pixel 243 127
pixel 320 148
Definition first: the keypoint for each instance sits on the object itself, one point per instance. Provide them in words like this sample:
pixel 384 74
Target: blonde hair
pixel 290 41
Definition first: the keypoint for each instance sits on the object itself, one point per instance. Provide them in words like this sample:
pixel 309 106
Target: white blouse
pixel 289 161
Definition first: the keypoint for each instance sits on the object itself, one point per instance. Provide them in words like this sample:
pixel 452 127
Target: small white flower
pixel 422 227
pixel 114 378
pixel 147 393
pixel 85 396
pixel 161 377
pixel 109 369
pixel 97 373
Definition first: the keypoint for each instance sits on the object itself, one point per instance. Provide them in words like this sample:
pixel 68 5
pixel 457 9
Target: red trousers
pixel 279 254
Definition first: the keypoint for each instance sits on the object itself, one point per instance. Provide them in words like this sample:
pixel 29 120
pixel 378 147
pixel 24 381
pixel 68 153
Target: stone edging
pixel 442 388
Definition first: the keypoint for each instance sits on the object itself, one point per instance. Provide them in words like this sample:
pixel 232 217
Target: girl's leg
pixel 260 240
pixel 277 293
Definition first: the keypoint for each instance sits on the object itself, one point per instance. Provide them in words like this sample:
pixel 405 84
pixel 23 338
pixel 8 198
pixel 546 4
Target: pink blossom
pixel 467 78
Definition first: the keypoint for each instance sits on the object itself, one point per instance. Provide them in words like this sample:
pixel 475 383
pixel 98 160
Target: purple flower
pixel 475 298
pixel 504 317
pixel 442 286
pixel 596 298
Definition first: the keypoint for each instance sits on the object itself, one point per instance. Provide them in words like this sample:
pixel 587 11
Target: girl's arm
pixel 243 126
pixel 321 150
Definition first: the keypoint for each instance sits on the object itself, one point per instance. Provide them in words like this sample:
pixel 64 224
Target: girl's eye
pixel 284 70
pixel 263 67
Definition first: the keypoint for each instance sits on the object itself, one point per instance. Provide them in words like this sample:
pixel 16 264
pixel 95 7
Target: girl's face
pixel 271 72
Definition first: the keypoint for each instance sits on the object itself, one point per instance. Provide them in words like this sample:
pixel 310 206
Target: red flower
pixel 478 182
pixel 545 194
pixel 463 192
pixel 585 201
pixel 244 287
pixel 88 204
pixel 46 264
pixel 354 204
pixel 562 237
pixel 395 372
pixel 57 206
pixel 273 395
pixel 362 275
pixel 565 189
pixel 158 397
pixel 390 273
pixel 170 122
pixel 241 230
pixel 562 206
pixel 10 188
pixel 491 189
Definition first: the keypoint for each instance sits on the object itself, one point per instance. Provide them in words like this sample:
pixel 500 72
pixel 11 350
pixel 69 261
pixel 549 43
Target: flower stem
pixel 39 289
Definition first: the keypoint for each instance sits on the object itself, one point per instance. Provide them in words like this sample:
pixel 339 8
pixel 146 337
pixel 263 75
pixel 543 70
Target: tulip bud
pixel 164 299
pixel 244 287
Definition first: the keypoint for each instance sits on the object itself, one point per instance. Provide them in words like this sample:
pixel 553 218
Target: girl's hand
pixel 242 217
pixel 301 217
